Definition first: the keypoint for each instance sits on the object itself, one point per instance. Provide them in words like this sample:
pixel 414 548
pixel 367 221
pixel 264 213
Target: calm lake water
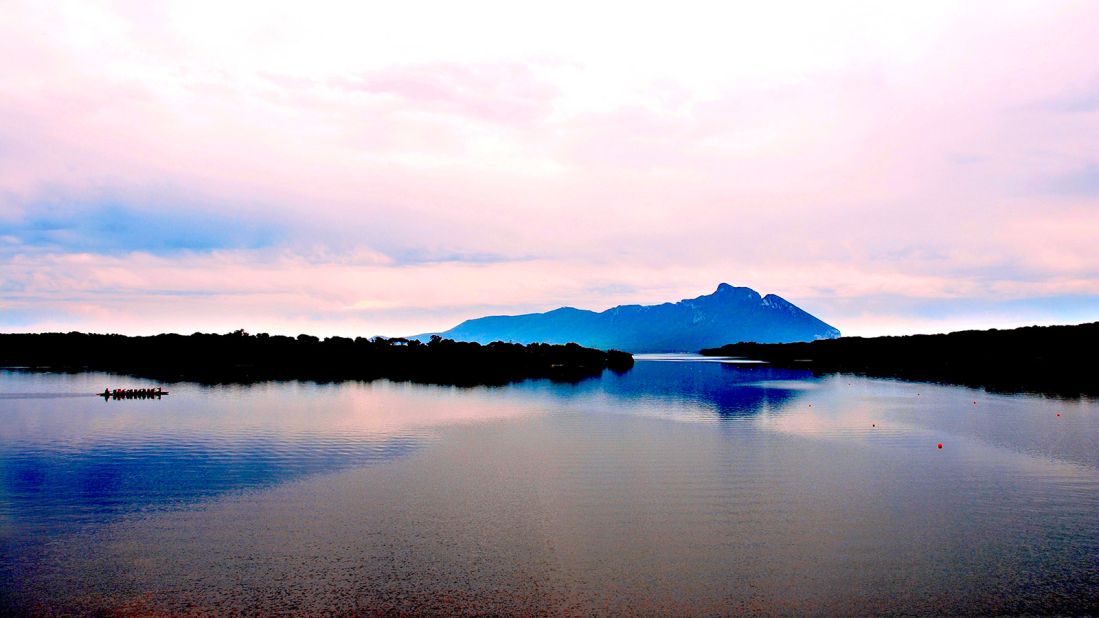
pixel 676 488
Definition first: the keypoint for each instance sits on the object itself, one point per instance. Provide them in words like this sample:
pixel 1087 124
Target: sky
pixel 395 168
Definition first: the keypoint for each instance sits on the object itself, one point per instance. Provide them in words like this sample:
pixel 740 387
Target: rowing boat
pixel 131 394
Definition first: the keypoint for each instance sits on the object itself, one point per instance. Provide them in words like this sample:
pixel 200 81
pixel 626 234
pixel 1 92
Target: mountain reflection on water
pixel 696 386
pixel 674 488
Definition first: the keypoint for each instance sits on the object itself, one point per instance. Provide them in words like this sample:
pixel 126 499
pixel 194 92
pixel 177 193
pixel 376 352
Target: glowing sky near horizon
pixel 394 168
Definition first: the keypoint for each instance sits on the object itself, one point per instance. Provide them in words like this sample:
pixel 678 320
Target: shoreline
pixel 242 358
pixel 1051 360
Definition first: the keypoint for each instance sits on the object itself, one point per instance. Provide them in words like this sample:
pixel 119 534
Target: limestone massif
pixel 728 315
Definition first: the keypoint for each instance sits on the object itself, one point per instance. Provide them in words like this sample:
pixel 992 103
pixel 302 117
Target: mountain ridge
pixel 728 315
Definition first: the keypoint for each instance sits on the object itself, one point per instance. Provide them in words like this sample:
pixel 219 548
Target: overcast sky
pixel 397 167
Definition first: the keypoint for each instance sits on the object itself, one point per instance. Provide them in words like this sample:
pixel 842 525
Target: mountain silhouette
pixel 729 315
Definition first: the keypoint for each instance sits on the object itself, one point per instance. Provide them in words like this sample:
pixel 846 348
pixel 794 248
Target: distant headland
pixel 728 314
pixel 241 357
pixel 1059 360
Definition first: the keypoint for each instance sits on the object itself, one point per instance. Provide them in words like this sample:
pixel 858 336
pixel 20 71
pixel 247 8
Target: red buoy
pixel 1058 414
pixel 940 444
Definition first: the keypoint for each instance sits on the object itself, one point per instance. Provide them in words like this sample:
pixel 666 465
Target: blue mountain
pixel 729 315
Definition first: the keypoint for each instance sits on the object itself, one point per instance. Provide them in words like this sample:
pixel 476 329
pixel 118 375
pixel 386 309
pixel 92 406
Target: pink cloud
pixel 498 93
pixel 921 175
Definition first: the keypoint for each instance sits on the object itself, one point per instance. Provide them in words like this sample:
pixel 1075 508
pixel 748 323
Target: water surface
pixel 678 487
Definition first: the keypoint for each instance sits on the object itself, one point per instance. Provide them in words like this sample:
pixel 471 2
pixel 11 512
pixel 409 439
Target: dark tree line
pixel 1059 360
pixel 240 357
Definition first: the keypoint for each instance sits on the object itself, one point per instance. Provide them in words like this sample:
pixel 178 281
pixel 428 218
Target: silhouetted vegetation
pixel 240 357
pixel 1059 360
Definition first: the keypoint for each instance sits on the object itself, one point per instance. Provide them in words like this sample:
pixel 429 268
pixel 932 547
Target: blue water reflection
pixel 58 489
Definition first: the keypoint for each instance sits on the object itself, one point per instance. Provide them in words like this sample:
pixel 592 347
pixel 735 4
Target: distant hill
pixel 729 315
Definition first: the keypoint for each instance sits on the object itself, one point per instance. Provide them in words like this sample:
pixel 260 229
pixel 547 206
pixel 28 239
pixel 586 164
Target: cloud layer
pixel 385 170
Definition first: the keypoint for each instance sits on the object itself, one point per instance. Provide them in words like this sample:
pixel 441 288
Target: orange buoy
pixel 940 444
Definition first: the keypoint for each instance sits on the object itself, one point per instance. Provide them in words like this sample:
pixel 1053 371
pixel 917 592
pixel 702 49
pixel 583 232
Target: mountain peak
pixel 726 292
pixel 725 288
